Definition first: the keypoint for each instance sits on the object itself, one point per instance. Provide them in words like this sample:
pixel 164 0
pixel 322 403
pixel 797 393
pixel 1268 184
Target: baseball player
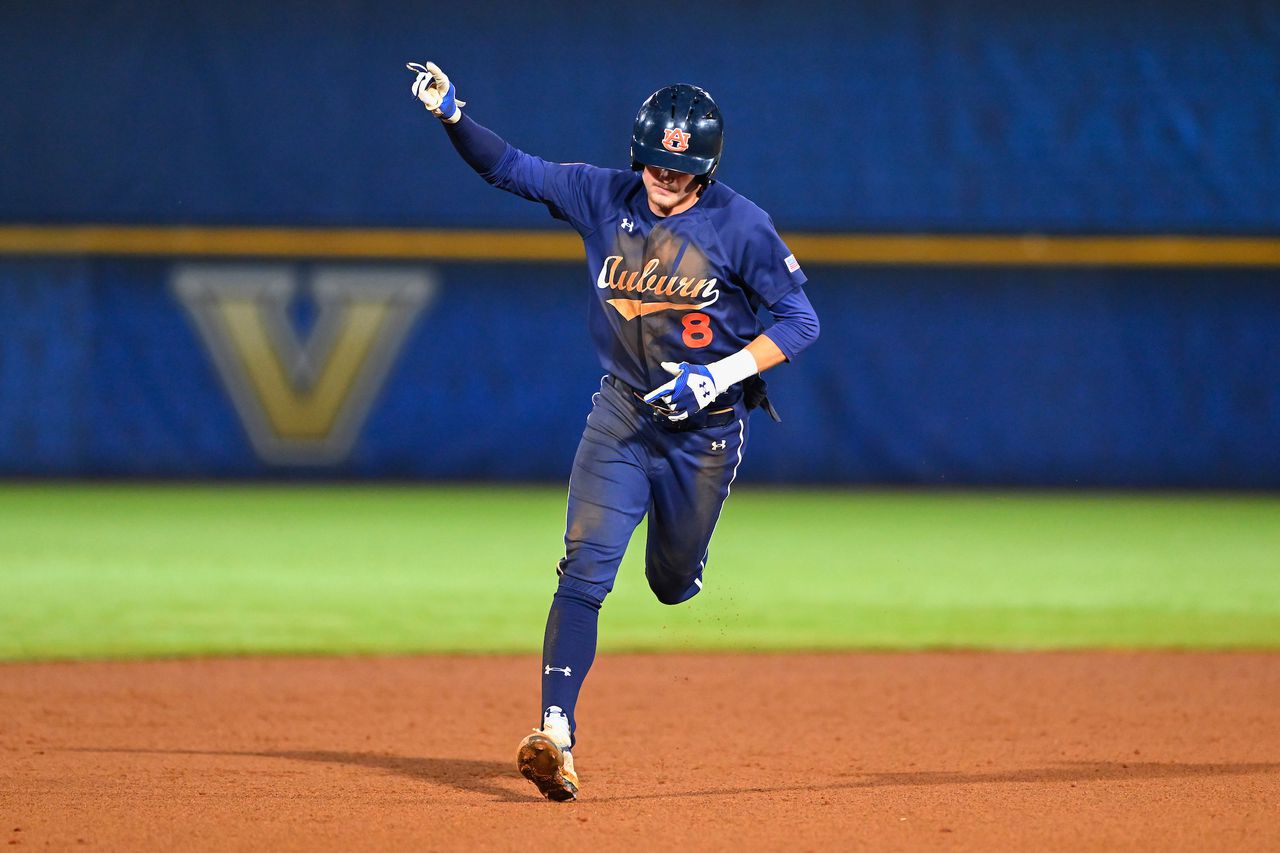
pixel 679 264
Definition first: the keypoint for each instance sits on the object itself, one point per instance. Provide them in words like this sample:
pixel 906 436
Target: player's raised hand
pixel 691 391
pixel 437 94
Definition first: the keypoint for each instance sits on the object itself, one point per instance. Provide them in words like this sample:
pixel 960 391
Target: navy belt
pixel 700 420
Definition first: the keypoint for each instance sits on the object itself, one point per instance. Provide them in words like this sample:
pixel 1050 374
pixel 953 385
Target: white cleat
pixel 545 760
pixel 544 763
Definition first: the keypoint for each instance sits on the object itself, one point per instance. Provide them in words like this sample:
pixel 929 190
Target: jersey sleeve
pixel 767 266
pixel 573 192
pixel 795 324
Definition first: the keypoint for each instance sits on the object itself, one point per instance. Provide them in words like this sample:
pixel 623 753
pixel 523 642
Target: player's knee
pixel 670 596
pixel 673 588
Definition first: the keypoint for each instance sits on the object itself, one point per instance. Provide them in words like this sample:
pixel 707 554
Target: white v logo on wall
pixel 303 402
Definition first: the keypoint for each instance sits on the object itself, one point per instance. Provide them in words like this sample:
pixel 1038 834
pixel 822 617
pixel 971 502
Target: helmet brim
pixel 663 159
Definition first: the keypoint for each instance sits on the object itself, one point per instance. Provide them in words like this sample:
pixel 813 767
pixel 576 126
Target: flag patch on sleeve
pixel 792 264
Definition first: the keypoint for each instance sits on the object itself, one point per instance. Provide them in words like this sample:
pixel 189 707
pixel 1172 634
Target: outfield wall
pixel 983 376
pixel 990 355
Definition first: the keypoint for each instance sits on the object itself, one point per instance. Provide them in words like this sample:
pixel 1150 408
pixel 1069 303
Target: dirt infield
pixel 883 751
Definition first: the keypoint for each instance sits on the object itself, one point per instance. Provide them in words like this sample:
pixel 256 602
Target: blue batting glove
pixel 691 391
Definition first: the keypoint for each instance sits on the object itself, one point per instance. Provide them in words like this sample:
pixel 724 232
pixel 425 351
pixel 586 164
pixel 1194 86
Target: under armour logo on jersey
pixel 627 225
pixel 718 445
pixel 567 670
pixel 675 139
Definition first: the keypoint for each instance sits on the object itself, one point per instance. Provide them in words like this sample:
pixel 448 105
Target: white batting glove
pixel 437 94
pixel 691 390
pixel 696 385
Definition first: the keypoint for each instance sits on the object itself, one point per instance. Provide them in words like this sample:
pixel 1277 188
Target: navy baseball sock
pixel 568 648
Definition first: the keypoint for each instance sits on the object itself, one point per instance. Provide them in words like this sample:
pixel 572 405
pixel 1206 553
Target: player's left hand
pixel 691 391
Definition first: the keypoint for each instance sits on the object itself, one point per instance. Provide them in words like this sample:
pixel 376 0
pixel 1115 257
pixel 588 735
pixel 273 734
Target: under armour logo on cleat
pixel 567 670
pixel 718 445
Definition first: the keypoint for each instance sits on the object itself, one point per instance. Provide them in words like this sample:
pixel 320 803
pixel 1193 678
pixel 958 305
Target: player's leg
pixel 608 495
pixel 687 500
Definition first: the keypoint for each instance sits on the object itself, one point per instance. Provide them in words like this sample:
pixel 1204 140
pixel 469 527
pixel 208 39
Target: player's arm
pixel 481 148
pixel 795 327
pixel 559 186
pixel 695 385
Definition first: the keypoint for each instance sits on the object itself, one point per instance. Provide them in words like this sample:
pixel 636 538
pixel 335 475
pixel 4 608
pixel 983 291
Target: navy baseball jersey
pixel 678 288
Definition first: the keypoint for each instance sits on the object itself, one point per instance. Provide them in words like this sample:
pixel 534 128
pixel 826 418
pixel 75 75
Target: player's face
pixel 669 191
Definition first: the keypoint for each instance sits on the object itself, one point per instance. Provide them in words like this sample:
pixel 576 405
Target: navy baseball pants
pixel 630 463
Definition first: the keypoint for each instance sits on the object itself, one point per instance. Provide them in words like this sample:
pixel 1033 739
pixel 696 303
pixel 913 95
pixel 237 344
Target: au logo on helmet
pixel 675 139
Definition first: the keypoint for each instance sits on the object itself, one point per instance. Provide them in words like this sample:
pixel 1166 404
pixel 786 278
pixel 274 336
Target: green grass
pixel 123 571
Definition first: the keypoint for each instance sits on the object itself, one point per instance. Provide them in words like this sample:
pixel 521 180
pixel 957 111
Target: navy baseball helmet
pixel 679 127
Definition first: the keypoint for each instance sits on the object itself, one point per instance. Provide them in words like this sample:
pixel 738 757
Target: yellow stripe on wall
pixel 1036 250
pixel 291 242
pixel 544 246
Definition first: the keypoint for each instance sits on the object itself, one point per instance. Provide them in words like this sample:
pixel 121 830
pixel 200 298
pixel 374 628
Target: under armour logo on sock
pixel 567 670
